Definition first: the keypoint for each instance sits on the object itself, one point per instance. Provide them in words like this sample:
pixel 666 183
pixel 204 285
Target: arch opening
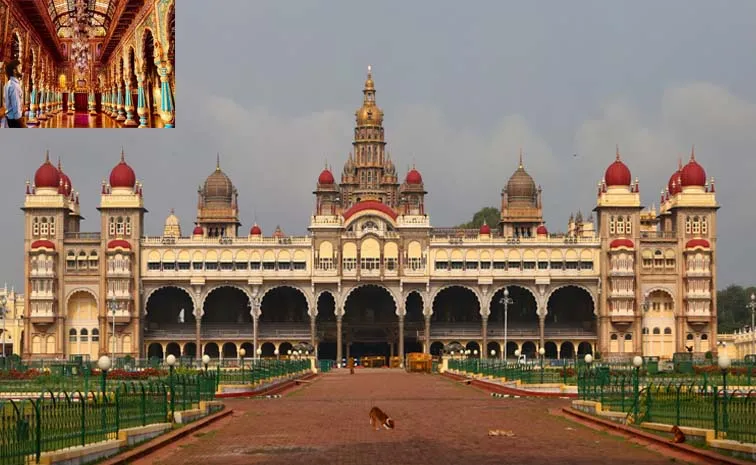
pixel 370 322
pixel 226 306
pixel 456 306
pixel 570 307
pixel 164 314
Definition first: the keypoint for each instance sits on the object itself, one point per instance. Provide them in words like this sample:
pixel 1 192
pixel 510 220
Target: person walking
pixel 14 96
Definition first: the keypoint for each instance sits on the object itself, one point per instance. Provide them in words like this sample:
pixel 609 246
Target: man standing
pixel 14 96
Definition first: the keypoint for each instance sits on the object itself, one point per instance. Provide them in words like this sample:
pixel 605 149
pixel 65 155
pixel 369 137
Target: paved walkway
pixel 438 421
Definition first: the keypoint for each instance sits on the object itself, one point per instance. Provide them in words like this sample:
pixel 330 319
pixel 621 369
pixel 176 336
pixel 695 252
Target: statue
pixel 158 54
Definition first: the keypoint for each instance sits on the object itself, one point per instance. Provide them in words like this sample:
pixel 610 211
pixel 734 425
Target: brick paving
pixel 438 421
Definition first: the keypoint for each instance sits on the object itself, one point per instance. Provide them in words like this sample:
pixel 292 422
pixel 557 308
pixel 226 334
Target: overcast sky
pixel 273 87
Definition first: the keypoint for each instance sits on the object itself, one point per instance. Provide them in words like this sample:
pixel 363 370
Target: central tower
pixel 369 173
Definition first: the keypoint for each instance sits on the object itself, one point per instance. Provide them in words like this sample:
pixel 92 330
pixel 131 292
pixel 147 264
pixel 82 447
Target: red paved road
pixel 438 422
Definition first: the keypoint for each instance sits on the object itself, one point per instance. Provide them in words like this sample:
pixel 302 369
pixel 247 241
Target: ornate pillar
pixel 313 334
pixel 164 70
pixel 92 106
pixel 121 108
pixel 401 340
pixel 42 110
pixel 129 105
pixel 484 336
pixel 254 311
pixel 198 334
pixel 541 331
pixel 32 121
pixel 426 333
pixel 71 102
pixel 339 317
pixel 141 101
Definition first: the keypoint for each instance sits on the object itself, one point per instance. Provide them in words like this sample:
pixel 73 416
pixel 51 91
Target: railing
pixel 223 332
pixel 699 401
pixel 658 235
pixel 83 235
pixel 225 241
pixel 476 332
pixel 536 372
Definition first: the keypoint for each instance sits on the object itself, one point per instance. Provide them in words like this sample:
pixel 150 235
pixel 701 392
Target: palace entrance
pixel 370 325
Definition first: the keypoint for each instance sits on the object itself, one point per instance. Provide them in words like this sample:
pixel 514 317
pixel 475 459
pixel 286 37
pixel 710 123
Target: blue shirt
pixel 14 99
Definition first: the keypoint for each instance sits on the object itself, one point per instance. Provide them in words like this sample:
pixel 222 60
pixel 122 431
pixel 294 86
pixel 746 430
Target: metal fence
pixel 526 373
pixel 703 402
pixel 57 420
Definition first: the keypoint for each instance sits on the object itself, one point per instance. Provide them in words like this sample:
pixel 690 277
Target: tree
pixel 732 310
pixel 490 215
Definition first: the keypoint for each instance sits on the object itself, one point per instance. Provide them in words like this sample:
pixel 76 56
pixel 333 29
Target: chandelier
pixel 80 28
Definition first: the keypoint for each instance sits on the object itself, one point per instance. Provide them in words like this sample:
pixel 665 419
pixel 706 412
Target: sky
pixel 272 87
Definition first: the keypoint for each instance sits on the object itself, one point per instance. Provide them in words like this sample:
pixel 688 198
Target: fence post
pixel 118 410
pixel 715 395
pixel 38 431
pixel 143 405
pixel 83 418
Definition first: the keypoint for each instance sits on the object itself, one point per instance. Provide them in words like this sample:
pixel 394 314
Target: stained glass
pixel 100 14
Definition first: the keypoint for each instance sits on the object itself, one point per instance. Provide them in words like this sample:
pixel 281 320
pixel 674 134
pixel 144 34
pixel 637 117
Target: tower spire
pixel 520 157
pixel 693 152
pixel 217 161
pixel 47 156
pixel 123 155
pixel 617 149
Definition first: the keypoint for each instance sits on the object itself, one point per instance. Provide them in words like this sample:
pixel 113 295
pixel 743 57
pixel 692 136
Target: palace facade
pixel 373 276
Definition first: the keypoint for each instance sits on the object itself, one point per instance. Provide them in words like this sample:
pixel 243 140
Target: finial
pixel 679 163
pixel 618 155
pixel 520 157
pixel 217 162
pixel 123 156
pixel 370 69
pixel 171 211
pixel 47 156
pixel 693 152
pixel 60 167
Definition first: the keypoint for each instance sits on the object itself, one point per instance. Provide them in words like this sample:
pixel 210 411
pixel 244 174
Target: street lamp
pixel 751 305
pixel 541 352
pixel 637 362
pixel 104 365
pixel 242 353
pixel 724 364
pixel 506 301
pixel 275 352
pixel 113 306
pixel 493 353
pixel 171 361
pixel 644 306
pixel 3 313
pixel 206 361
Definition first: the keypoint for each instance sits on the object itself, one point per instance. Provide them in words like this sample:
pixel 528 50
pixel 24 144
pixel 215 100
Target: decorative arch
pixel 448 286
pixel 666 290
pixel 521 286
pixel 579 286
pixel 209 291
pixel 390 293
pixel 82 289
pixel 302 292
pixel 177 286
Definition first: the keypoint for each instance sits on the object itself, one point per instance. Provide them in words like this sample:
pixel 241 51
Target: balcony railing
pixel 246 241
pixel 667 235
pixel 83 235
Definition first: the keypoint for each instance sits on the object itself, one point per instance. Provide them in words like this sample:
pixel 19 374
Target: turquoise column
pixel 71 102
pixel 142 103
pixel 31 120
pixel 121 109
pixel 166 100
pixel 129 107
pixel 42 116
pixel 91 102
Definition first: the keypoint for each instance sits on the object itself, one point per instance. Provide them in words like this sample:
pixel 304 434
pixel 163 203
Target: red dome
pixel 414 177
pixel 693 174
pixel 255 230
pixel 197 231
pixel 119 243
pixel 47 175
pixel 326 177
pixel 44 243
pixel 122 175
pixel 66 187
pixel 541 230
pixel 485 229
pixel 370 205
pixel 674 183
pixel 617 174
pixel 693 243
pixel 622 243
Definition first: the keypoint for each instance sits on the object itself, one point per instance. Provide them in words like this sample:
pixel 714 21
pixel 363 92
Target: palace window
pixel 620 225
pixel 119 226
pixel 197 265
pixel 84 335
pixel 667 330
pixel 237 265
pixel 687 225
pixel 704 226
pixel 442 265
pixel 500 265
pixel 183 266
pixel 35 227
pixel 169 266
pixel 629 336
pixel 415 263
pixel 656 331
pixel 471 265
pixel 557 265
pixel 611 225
pixel 485 265
pixel 647 262
pixel 513 265
pixel 153 266
pixel 82 260
pixel 128 226
pixel 95 335
pixel 299 266
pixel 211 266
pixel 670 262
pixel 93 260
pixel 254 265
pixel 269 266
pixel 628 226
pixel 543 265
pixel 457 265
pixel 71 260
pixel 528 265
pixel 349 264
pixel 43 227
pixel 613 337
pixel 696 226
pixel 52 227
pixel 586 265
pixel 571 265
pixel 284 266
pixel 111 226
pixel 72 335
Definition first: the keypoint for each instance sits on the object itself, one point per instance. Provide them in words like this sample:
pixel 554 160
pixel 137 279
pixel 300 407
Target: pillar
pixel 542 331
pixel 71 102
pixel 198 336
pixel 121 109
pixel 91 104
pixel 166 101
pixel 401 340
pixel 129 106
pixel 426 334
pixel 313 329
pixel 338 339
pixel 31 120
pixel 42 110
pixel 142 103
pixel 484 334
pixel 255 332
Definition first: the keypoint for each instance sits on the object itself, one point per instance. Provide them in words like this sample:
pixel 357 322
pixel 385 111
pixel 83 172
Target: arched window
pixel 614 337
pixel 704 337
pixel 629 336
pixel 611 225
pixel 93 260
pixel 656 330
pixel 84 335
pixel 52 226
pixel 71 260
pixel 35 227
pixel 82 260
pixel 95 335
pixel 119 226
pixel 43 228
pixel 621 225
pixel 72 335
pixel 645 330
pixel 696 225
pixel 628 226
pixel 704 226
pixel 689 337
pixel 128 226
pixel 687 225
pixel 667 330
pixel 111 227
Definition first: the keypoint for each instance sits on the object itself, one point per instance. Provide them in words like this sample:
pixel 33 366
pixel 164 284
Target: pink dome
pixel 122 175
pixel 255 230
pixel 413 177
pixel 326 177
pixel 542 231
pixel 47 175
pixel 485 229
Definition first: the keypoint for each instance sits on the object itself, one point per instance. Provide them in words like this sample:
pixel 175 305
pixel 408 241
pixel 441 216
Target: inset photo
pixel 87 63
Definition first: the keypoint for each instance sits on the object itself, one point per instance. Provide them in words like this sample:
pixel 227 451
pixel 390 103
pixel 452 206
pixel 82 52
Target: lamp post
pixel 206 361
pixel 171 361
pixel 506 301
pixel 644 306
pixel 724 364
pixel 751 305
pixel 637 362
pixel 3 313
pixel 242 353
pixel 541 352
pixel 103 364
pixel 113 306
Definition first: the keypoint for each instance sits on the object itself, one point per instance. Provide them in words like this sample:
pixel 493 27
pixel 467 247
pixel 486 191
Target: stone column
pixel 255 332
pixel 542 331
pixel 129 106
pixel 313 329
pixel 198 336
pixel 401 340
pixel 426 333
pixel 484 336
pixel 141 101
pixel 338 339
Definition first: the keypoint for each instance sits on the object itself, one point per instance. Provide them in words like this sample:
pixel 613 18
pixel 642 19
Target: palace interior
pixel 92 63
